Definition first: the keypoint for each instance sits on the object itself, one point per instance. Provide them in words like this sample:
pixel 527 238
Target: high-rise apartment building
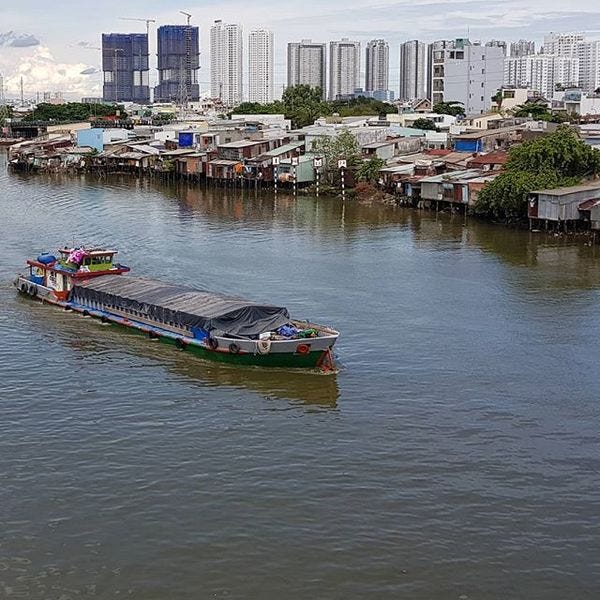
pixel 178 64
pixel 466 72
pixel 260 66
pixel 587 52
pixel 522 48
pixel 541 72
pixel 377 66
pixel 226 63
pixel 344 68
pixel 125 67
pixel 414 71
pixel 306 64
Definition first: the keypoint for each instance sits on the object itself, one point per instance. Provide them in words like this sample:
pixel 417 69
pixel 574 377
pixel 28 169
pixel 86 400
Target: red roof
pixel 437 152
pixel 491 158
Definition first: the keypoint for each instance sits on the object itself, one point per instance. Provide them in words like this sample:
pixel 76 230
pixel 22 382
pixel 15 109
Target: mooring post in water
pixel 317 164
pixel 275 172
pixel 295 162
pixel 342 164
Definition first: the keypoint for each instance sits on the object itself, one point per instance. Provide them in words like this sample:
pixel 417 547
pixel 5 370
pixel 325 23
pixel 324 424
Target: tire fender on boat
pixel 33 290
pixel 263 346
pixel 180 344
pixel 212 343
pixel 23 288
pixel 234 348
pixel 303 349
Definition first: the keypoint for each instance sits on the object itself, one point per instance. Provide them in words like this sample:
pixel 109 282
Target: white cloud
pixel 42 72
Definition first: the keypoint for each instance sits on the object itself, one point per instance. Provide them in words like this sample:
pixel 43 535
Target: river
pixel 455 455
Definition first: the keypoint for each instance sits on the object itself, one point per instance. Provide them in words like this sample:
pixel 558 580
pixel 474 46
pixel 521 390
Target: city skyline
pixel 56 52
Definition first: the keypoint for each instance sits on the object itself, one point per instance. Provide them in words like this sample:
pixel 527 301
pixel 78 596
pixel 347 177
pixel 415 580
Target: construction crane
pixel 147 21
pixel 187 15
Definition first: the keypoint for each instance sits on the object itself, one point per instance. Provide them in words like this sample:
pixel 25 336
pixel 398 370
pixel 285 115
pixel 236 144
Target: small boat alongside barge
pixel 207 324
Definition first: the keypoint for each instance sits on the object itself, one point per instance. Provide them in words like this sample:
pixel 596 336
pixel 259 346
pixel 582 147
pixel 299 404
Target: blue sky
pixel 56 62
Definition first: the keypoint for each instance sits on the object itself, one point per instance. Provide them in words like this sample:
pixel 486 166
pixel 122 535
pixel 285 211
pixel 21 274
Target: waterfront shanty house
pixel 301 169
pixel 450 188
pixel 261 167
pixel 224 170
pixel 565 207
pixel 193 165
pixel 244 149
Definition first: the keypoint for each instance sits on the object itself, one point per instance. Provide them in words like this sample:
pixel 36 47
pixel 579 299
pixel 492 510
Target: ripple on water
pixel 455 453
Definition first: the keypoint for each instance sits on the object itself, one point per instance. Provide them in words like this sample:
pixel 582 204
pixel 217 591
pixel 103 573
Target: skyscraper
pixel 522 48
pixel 377 66
pixel 344 68
pixel 413 70
pixel 178 64
pixel 125 67
pixel 586 51
pixel 466 72
pixel 260 66
pixel 226 68
pixel 306 64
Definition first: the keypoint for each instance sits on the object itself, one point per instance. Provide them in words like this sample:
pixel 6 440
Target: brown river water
pixel 455 455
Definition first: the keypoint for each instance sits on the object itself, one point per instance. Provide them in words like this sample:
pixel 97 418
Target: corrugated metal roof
pixel 565 191
pixel 283 149
pixel 240 144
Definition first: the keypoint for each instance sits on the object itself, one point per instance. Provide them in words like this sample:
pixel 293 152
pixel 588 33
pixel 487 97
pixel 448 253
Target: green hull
pixel 310 360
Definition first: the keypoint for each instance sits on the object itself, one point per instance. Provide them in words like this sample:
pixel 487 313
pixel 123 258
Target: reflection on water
pixel 91 339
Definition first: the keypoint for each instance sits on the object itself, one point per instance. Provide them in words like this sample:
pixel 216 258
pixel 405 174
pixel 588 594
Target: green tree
pixel 256 108
pixel 369 169
pixel 556 160
pixel 343 146
pixel 426 124
pixel 303 104
pixel 539 112
pixel 74 111
pixel 360 106
pixel 452 107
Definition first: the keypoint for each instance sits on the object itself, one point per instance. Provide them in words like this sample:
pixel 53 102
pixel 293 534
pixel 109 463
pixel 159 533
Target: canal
pixel 455 455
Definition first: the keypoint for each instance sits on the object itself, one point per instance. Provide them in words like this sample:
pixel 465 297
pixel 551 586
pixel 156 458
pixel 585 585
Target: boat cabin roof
pixel 90 251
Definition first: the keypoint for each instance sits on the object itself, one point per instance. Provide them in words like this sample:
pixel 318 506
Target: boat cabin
pixel 58 274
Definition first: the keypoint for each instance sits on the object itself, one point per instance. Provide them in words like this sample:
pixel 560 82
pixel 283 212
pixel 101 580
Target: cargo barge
pixel 207 324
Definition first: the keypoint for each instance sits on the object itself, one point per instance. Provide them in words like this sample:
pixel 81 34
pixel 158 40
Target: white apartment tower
pixel 260 66
pixel 306 64
pixel 413 70
pixel 466 72
pixel 226 66
pixel 541 72
pixel 377 66
pixel 344 68
pixel 587 52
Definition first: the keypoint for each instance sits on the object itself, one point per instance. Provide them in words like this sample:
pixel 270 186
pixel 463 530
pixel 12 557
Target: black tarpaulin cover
pixel 183 306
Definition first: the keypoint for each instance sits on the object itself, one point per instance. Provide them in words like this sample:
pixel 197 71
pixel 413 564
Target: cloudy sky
pixel 51 45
